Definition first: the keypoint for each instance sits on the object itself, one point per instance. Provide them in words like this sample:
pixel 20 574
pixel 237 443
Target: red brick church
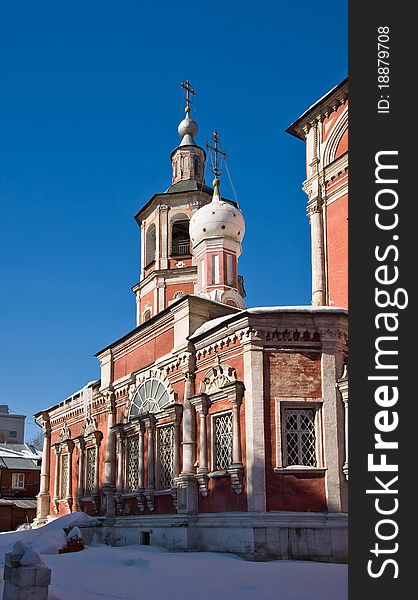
pixel 215 426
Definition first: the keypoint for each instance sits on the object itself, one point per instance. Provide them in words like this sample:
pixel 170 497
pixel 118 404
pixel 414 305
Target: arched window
pixel 147 315
pixel 150 245
pixel 180 236
pixel 151 396
pixel 196 166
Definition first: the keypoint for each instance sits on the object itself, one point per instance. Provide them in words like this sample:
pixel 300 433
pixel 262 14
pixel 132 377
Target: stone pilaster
pixel 187 495
pixel 150 487
pixel 342 385
pixel 317 254
pixel 333 348
pixel 201 406
pixel 43 498
pixel 255 463
pixel 109 486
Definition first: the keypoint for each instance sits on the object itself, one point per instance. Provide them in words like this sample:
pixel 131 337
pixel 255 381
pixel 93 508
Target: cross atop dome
pixel 188 159
pixel 217 152
pixel 186 85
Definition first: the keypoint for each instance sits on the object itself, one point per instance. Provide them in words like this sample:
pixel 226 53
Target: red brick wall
pixel 144 355
pixel 294 374
pixel 287 375
pixel 337 252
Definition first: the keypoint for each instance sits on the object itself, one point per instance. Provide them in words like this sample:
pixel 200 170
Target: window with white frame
pixel 132 463
pixel 299 437
pixel 18 481
pixel 298 433
pixel 90 469
pixel 165 445
pixel 222 441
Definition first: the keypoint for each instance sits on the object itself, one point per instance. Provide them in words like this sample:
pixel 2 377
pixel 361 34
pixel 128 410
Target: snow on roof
pixel 76 393
pixel 296 309
pixel 260 310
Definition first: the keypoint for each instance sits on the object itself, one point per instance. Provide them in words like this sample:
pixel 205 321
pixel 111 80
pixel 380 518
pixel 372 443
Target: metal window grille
pixel 223 441
pixel 165 457
pixel 64 474
pixel 90 470
pixel 300 437
pixel 132 463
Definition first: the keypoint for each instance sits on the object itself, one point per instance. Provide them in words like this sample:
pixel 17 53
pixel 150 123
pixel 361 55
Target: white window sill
pixel 296 469
pixel 216 474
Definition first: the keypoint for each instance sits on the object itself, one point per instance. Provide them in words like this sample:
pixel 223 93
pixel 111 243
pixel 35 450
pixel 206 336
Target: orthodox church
pixel 215 426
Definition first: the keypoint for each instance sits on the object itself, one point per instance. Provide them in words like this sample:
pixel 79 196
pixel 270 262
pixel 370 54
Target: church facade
pixel 213 426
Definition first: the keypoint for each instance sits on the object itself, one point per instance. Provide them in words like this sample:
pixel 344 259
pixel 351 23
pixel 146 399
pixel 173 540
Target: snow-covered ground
pixel 101 572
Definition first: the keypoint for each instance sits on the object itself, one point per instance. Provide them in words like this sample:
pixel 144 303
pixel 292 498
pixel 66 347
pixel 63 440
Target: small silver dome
pixel 187 131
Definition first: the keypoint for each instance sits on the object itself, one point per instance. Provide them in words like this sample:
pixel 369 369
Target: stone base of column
pixel 42 509
pixel 187 494
pixel 108 495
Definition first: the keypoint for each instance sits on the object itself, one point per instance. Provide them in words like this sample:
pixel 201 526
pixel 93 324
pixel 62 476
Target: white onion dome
pixel 218 219
pixel 187 130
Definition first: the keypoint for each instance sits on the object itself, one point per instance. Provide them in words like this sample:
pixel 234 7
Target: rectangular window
pixel 230 269
pixel 165 444
pixel 132 463
pixel 222 441
pixel 215 269
pixel 64 475
pixel 18 481
pixel 90 470
pixel 299 437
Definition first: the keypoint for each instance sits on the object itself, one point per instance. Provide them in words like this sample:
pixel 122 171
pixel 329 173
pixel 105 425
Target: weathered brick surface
pixel 294 374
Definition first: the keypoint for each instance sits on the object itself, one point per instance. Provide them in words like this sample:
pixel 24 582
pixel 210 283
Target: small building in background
pixel 20 468
pixel 12 427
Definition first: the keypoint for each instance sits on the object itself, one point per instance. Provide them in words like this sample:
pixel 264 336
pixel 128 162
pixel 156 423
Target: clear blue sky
pixel 89 109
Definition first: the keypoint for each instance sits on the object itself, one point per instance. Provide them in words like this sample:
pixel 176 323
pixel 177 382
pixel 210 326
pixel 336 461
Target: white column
pixel 343 387
pixel 119 484
pixel 43 498
pixel 255 463
pixel 236 433
pixel 57 474
pixel 333 415
pixel 189 444
pixel 150 425
pixel 158 242
pixel 317 256
pixel 110 458
pixel 81 468
pixel 142 249
pixel 164 236
pixel 46 457
pixel 96 469
pixel 141 458
pixel 176 457
pixel 69 490
pixel 203 441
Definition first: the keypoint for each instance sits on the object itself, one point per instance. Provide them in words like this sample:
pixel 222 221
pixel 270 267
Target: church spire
pixel 188 159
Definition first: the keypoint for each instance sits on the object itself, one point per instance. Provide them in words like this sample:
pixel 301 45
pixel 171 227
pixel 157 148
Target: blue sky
pixel 89 110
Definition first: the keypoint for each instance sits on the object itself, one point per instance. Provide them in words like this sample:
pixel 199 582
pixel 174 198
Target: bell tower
pixel 168 270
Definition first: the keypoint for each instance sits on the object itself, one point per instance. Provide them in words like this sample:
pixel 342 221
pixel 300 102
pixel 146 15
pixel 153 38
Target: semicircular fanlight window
pixel 151 396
